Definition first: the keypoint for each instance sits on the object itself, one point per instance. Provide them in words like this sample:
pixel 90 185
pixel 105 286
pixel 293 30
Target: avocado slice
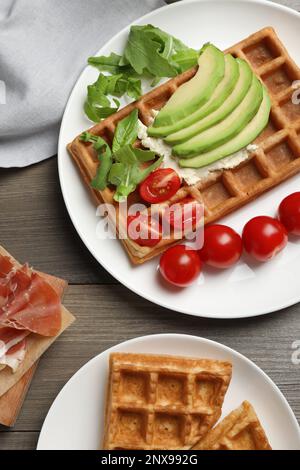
pixel 231 103
pixel 197 91
pixel 218 97
pixel 226 129
pixel 244 138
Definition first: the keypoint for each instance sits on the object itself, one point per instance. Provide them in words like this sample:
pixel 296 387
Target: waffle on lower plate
pixel 277 158
pixel 162 402
pixel 240 430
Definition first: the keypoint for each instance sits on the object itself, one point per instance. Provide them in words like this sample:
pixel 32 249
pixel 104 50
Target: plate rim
pixel 61 148
pixel 182 336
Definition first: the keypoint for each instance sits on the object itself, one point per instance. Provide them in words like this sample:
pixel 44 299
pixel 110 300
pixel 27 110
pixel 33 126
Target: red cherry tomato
pixel 160 185
pixel 144 230
pixel 289 213
pixel 264 237
pixel 222 246
pixel 180 265
pixel 187 215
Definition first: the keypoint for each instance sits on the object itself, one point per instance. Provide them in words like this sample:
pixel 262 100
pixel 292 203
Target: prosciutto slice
pixel 12 347
pixel 27 301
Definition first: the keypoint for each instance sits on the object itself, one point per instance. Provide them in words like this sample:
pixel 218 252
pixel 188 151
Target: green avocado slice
pixel 223 90
pixel 234 99
pixel 226 129
pixel 197 91
pixel 244 138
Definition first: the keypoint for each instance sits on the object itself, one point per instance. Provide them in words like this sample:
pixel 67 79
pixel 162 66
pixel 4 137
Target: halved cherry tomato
pixel 289 213
pixel 160 185
pixel 144 229
pixel 264 237
pixel 180 265
pixel 186 215
pixel 222 246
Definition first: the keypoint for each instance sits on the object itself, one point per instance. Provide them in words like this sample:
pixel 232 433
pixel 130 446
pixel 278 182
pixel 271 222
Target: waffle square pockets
pixel 240 430
pixel 162 402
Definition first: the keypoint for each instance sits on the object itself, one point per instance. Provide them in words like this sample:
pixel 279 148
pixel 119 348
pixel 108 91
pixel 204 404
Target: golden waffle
pixel 162 402
pixel 240 430
pixel 225 191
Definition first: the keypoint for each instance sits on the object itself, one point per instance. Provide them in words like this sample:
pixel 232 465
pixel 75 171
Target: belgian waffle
pixel 277 158
pixel 240 430
pixel 162 402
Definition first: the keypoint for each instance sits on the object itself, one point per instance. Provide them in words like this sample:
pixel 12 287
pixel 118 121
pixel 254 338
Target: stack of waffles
pixel 277 157
pixel 170 402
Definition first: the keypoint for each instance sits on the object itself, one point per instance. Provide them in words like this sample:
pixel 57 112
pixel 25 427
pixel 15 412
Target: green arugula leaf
pixel 105 158
pixel 185 59
pixel 134 89
pixel 149 53
pixel 126 131
pixel 123 165
pixel 97 105
pixel 145 51
pixel 111 63
pixel 127 172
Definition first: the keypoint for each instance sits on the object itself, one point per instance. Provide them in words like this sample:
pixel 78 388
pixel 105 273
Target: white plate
pixel 75 420
pixel 244 290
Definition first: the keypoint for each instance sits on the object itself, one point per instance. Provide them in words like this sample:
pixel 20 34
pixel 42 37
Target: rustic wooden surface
pixel 35 226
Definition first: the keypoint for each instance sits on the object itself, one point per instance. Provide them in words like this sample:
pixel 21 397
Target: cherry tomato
pixel 144 230
pixel 188 214
pixel 160 185
pixel 180 265
pixel 289 213
pixel 222 246
pixel 264 237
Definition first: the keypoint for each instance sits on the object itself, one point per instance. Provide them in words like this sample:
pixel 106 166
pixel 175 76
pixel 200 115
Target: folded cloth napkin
pixel 44 45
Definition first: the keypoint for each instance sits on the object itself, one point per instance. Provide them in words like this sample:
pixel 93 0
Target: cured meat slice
pixel 6 266
pixel 6 270
pixel 12 347
pixel 30 303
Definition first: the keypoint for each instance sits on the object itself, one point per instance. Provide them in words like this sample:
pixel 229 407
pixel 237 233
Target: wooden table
pixel 35 226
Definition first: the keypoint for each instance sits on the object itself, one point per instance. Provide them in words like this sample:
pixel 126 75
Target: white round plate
pixel 246 290
pixel 75 420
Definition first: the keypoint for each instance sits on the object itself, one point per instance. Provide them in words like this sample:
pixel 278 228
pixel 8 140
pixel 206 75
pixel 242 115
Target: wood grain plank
pixel 107 315
pixel 18 440
pixel 35 225
pixel 11 402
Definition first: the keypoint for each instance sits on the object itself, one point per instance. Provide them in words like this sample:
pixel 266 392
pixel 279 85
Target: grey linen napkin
pixel 44 45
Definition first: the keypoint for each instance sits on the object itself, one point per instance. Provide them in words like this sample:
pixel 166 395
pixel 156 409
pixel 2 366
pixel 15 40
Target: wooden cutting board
pixel 11 402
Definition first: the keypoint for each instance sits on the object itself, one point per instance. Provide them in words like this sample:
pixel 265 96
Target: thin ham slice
pixel 12 347
pixel 6 271
pixel 31 304
pixel 6 266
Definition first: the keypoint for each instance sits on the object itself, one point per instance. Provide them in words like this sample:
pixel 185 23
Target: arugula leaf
pixel 126 173
pixel 105 158
pixel 185 59
pixel 123 165
pixel 134 89
pixel 145 51
pixel 111 63
pixel 97 105
pixel 126 131
pixel 149 49
pixel 149 52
